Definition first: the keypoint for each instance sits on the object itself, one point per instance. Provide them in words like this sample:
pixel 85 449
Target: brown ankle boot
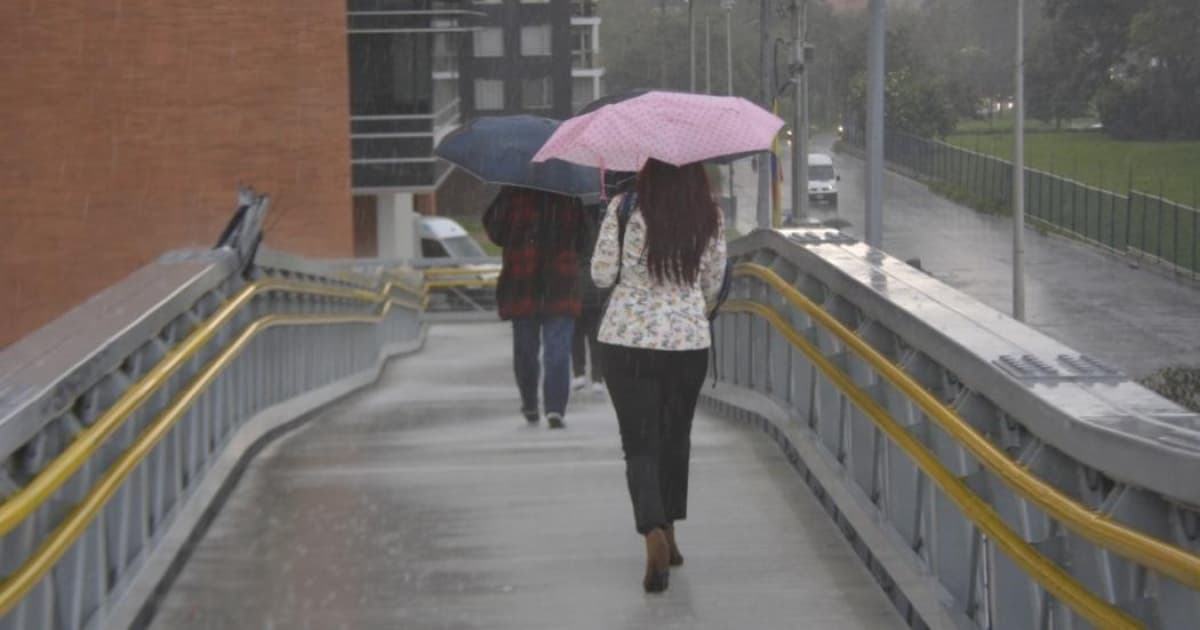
pixel 676 557
pixel 658 562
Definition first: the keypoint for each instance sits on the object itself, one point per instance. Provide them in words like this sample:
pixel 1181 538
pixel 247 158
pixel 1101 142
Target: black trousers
pixel 654 393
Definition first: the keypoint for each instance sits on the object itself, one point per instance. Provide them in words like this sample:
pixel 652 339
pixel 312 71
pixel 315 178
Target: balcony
pixel 396 151
pixel 586 59
pixel 445 63
pixel 584 8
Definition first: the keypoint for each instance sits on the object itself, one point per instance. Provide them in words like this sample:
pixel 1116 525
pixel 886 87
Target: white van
pixel 822 180
pixel 445 238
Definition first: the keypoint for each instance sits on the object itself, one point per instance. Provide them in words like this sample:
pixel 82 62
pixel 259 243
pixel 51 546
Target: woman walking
pixel 663 247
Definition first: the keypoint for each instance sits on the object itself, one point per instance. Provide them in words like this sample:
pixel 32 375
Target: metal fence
pixel 116 416
pixel 989 476
pixel 1136 224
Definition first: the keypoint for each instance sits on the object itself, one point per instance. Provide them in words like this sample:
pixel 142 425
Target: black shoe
pixel 555 420
pixel 531 417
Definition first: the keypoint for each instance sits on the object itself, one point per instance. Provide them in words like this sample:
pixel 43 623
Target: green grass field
pixel 1094 159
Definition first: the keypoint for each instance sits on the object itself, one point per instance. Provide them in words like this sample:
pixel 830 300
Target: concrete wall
pixel 126 126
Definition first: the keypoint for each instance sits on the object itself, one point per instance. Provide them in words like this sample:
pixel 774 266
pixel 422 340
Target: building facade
pixel 129 126
pixel 532 56
pixel 587 67
pixel 401 105
pixel 421 68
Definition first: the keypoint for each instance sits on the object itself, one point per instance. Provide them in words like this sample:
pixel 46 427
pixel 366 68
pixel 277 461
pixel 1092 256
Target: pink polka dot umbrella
pixel 673 127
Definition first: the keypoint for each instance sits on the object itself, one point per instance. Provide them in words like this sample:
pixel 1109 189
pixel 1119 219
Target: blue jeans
pixel 552 335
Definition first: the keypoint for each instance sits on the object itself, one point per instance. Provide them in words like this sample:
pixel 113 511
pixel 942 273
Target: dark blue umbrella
pixel 498 150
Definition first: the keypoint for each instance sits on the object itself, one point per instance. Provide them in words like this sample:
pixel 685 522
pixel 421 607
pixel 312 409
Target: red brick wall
pixel 126 126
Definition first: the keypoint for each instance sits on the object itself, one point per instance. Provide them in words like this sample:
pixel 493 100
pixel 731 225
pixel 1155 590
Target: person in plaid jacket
pixel 542 236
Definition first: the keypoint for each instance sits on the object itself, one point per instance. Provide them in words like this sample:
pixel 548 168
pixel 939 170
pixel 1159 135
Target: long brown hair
pixel 681 219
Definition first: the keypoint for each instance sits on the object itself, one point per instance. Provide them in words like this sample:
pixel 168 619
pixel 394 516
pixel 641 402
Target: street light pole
pixel 764 159
pixel 662 45
pixel 692 45
pixel 728 6
pixel 800 113
pixel 875 96
pixel 1019 171
pixel 707 55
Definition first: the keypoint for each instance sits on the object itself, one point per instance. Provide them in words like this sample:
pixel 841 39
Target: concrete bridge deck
pixel 424 502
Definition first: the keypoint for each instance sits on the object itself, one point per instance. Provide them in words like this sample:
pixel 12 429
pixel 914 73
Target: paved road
pixel 425 503
pixel 1133 318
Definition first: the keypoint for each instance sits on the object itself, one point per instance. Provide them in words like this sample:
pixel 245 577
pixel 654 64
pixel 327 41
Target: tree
pixel 1056 88
pixel 1136 59
pixel 917 101
pixel 637 38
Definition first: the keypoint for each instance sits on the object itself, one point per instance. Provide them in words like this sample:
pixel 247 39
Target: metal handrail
pixel 1134 545
pixel 1052 577
pixel 41 561
pixel 457 271
pixel 28 499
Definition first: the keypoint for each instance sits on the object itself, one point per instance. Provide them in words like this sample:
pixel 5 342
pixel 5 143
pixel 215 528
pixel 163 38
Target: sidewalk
pixel 1135 319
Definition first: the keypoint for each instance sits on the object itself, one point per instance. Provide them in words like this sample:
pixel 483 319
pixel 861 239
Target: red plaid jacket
pixel 542 235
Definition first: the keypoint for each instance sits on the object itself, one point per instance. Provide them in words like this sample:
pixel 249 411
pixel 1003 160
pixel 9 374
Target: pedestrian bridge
pixel 225 440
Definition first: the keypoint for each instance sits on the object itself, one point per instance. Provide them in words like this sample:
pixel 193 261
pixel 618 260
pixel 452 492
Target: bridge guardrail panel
pixel 138 392
pixel 1104 535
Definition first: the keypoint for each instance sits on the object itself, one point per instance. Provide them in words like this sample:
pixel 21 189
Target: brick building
pixel 127 126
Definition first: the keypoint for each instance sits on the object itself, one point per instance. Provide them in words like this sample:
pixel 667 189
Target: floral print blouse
pixel 644 313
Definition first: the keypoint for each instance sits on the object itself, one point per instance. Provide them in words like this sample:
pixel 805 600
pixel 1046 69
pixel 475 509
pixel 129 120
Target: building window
pixel 489 94
pixel 445 55
pixel 390 74
pixel 583 8
pixel 582 92
pixel 537 93
pixel 489 42
pixel 583 56
pixel 535 40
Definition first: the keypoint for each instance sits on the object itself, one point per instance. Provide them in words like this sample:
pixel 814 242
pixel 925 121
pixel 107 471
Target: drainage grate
pixel 812 237
pixel 1064 367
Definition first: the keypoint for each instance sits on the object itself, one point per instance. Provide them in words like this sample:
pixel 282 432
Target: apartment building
pixel 401 53
pixel 531 56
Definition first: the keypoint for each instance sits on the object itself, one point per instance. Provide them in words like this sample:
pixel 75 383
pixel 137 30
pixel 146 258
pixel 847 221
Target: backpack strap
pixel 624 213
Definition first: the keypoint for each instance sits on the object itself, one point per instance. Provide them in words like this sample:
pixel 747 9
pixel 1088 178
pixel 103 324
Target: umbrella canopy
pixel 672 127
pixel 499 149
pixel 624 96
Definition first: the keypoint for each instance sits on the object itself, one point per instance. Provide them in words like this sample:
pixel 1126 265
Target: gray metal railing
pixel 121 421
pixel 990 476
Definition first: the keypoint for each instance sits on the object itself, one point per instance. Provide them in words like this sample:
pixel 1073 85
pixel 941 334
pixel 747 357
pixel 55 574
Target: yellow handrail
pixel 1145 550
pixel 453 284
pixel 459 271
pixel 26 577
pixel 22 581
pixel 1055 580
pixel 25 501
